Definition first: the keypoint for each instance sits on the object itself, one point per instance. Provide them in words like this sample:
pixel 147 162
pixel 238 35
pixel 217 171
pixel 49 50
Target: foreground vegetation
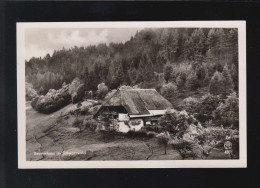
pixel 57 132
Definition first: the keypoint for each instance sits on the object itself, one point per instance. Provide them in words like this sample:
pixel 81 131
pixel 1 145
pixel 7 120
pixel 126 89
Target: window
pixel 137 122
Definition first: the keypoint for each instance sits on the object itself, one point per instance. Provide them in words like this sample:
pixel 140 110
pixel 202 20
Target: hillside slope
pixel 49 137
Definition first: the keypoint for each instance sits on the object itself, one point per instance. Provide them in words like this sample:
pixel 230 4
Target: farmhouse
pixel 131 109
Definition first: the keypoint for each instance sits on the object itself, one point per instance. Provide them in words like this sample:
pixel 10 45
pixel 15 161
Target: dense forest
pixel 172 60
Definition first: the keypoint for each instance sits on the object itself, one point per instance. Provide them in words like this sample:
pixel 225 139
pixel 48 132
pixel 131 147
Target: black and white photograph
pixel 131 94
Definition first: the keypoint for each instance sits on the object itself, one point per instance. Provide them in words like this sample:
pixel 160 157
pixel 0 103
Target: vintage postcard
pixel 132 94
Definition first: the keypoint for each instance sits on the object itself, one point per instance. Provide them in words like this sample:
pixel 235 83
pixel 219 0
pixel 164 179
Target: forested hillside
pixel 172 60
pixel 195 69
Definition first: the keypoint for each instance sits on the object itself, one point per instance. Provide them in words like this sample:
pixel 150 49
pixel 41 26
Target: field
pixel 50 137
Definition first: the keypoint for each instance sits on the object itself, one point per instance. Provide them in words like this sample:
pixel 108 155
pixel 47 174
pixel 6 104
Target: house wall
pixel 133 124
pixel 136 124
pixel 122 127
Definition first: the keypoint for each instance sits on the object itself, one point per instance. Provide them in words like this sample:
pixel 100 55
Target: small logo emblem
pixel 228 145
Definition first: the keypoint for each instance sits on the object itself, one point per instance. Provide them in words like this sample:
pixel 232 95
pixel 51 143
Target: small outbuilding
pixel 131 109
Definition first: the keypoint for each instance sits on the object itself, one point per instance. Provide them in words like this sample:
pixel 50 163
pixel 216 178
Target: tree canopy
pixel 173 52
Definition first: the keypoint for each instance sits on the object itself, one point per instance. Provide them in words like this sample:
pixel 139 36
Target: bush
pixel 221 83
pixel 78 123
pixel 216 84
pixel 153 128
pixel 181 80
pixel 169 90
pixel 136 134
pixel 192 81
pixel 198 141
pixel 52 101
pixel 30 92
pixel 151 134
pixel 90 123
pixel 79 95
pixel 183 147
pixel 176 122
pixel 34 102
pixel 229 111
pixel 189 104
pixel 76 90
pixel 204 109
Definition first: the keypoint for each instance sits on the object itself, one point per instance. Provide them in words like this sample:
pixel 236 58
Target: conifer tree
pixel 120 74
pixel 228 85
pixel 234 75
pixel 148 73
pixel 181 80
pixel 206 78
pixel 216 84
pixel 167 72
pixel 86 77
pixel 192 81
pixel 139 77
pixel 198 41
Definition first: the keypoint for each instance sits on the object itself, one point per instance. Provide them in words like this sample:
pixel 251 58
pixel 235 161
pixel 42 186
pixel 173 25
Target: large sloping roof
pixel 138 101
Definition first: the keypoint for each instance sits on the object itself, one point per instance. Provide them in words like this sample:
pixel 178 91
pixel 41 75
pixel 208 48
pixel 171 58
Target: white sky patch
pixel 40 41
pixel 67 40
pixel 34 51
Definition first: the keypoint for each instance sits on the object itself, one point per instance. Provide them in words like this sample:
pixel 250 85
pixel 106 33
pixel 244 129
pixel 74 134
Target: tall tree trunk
pixel 165 149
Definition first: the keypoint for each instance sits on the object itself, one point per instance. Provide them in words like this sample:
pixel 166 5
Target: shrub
pixel 181 80
pixel 189 104
pixel 153 128
pixel 30 92
pixel 205 107
pixel 216 84
pixel 183 147
pixel 151 134
pixel 52 101
pixel 130 133
pixel 76 90
pixel 198 141
pixel 90 123
pixel 169 90
pixel 221 83
pixel 192 81
pixel 136 134
pixel 79 94
pixel 78 123
pixel 176 122
pixel 34 102
pixel 229 110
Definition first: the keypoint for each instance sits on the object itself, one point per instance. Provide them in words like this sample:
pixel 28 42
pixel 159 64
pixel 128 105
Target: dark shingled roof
pixel 138 101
